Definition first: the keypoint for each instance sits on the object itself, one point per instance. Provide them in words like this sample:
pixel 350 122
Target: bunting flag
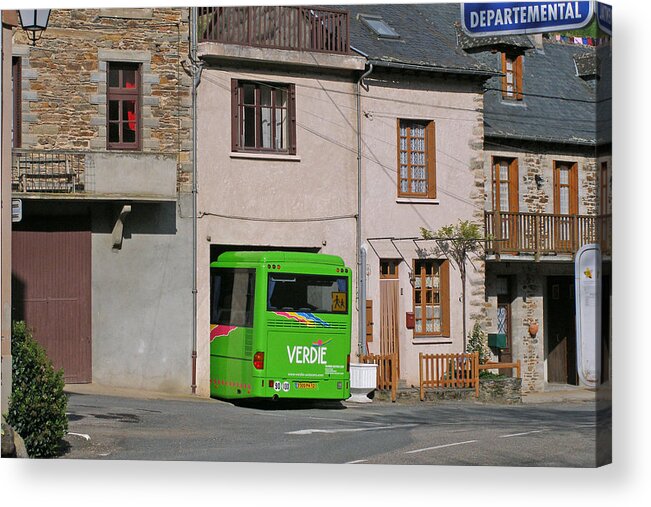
pixel 585 41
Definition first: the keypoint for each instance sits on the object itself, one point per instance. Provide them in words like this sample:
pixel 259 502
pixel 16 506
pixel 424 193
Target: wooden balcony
pixel 542 234
pixel 277 27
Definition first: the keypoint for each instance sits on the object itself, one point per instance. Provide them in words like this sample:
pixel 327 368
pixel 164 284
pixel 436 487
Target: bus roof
pixel 263 257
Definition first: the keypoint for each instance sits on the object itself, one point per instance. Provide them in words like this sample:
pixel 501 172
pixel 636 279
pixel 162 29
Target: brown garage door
pixel 51 268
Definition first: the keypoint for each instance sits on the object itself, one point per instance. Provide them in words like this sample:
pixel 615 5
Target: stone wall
pixel 538 161
pixel 503 390
pixel 527 306
pixel 528 275
pixel 477 310
pixel 64 80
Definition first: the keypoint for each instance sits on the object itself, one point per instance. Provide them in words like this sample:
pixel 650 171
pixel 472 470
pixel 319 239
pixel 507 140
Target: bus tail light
pixel 258 360
pixel 348 363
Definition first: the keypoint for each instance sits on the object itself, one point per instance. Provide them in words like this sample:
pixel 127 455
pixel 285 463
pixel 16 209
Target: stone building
pixel 548 166
pixel 422 167
pixel 335 130
pixel 301 192
pixel 102 258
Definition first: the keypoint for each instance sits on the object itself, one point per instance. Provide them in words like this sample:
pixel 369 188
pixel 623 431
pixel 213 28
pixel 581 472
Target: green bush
pixel 37 407
pixel 488 375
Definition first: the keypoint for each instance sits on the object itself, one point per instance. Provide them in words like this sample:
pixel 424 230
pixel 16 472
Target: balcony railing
pixel 544 234
pixel 286 27
pixel 94 174
pixel 47 171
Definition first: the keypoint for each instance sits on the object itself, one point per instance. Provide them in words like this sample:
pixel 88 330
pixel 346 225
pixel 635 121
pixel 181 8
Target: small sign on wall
pixel 16 210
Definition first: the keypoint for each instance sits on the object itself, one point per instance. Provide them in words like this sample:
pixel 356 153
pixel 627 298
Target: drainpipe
pixel 361 252
pixel 196 77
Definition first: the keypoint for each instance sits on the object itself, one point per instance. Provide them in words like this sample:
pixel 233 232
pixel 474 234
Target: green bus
pixel 280 325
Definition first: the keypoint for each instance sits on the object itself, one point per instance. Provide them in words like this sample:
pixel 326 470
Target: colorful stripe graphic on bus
pixel 321 343
pixel 308 319
pixel 219 330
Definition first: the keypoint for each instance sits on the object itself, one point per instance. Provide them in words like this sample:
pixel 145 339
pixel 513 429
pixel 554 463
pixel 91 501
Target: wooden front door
pixel 389 288
pixel 51 283
pixel 561 331
pixel 566 206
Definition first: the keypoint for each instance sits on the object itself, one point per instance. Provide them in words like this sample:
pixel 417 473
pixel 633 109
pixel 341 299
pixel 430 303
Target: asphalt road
pixel 444 433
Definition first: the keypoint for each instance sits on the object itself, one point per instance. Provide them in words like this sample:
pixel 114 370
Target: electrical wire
pixel 278 220
pixel 385 167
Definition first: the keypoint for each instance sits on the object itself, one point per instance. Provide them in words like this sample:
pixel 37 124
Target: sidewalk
pixel 552 394
pixel 565 393
pixel 102 390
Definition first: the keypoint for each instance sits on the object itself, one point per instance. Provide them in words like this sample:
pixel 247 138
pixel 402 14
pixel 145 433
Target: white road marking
pixel 440 446
pixel 348 430
pixel 520 434
pixel 314 418
pixel 83 435
pixel 356 461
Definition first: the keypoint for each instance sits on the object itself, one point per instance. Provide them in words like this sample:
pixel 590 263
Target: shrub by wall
pixel 37 407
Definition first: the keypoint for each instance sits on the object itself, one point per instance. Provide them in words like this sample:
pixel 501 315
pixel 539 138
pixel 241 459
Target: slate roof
pixel 427 39
pixel 559 105
pixel 561 89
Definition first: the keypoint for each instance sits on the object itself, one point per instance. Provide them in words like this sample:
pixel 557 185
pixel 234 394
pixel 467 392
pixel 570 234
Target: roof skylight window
pixel 379 27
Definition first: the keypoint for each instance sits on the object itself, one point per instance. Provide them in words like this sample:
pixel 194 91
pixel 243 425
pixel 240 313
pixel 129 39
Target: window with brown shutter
pixel 263 117
pixel 512 79
pixel 123 106
pixel 416 159
pixel 566 197
pixel 431 297
pixel 566 205
pixel 505 184
pixel 506 202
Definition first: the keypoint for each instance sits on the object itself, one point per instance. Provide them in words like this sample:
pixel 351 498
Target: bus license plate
pixel 305 385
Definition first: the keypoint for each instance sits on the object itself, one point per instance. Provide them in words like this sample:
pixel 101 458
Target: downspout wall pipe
pixel 196 77
pixel 361 253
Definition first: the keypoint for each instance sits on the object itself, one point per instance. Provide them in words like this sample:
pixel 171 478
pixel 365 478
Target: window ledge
pixel 514 103
pixel 416 200
pixel 265 156
pixel 431 340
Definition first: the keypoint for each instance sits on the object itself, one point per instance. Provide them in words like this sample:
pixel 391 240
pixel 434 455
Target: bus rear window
pixel 307 293
pixel 232 297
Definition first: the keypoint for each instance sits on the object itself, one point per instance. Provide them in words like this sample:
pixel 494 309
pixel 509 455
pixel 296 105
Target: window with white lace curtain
pixel 416 159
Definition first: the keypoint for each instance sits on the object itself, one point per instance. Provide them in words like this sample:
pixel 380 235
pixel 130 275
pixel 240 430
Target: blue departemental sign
pixel 497 18
pixel 605 17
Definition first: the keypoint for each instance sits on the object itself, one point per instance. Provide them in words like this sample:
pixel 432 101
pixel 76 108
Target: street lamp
pixel 34 21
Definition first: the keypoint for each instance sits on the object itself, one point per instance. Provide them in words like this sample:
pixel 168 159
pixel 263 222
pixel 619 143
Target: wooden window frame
pixel 430 158
pixel 572 185
pixel 443 291
pixel 517 76
pixel 390 269
pixel 17 86
pixel 513 182
pixel 122 94
pixel 237 117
